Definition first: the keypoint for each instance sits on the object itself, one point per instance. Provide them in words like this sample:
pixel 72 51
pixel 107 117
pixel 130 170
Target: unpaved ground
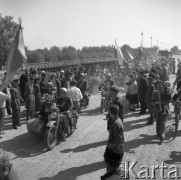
pixel 80 157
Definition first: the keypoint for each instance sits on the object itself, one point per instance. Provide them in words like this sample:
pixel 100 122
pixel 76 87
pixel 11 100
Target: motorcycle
pixel 48 128
pixel 53 129
pixel 49 122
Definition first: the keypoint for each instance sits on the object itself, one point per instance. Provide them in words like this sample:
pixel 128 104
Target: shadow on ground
pixel 7 125
pixel 24 145
pixel 143 140
pixel 90 112
pixel 174 158
pixel 74 172
pixel 85 147
pixel 134 124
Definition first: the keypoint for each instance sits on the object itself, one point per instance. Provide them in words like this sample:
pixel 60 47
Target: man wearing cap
pixel 142 88
pixel 43 86
pixel 148 98
pixel 115 145
pixel 3 98
pixel 64 103
pixel 66 81
pixel 15 103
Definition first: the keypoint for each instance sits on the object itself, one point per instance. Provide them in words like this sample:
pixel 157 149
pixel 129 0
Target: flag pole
pixel 20 22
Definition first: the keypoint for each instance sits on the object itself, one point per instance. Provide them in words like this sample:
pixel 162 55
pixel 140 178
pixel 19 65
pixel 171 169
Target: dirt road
pixel 80 157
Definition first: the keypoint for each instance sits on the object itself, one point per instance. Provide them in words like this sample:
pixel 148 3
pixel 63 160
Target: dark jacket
pixel 149 92
pixel 116 136
pixel 117 101
pixel 64 105
pixel 83 85
pixel 58 85
pixel 15 97
pixel 37 91
pixel 142 88
pixel 43 88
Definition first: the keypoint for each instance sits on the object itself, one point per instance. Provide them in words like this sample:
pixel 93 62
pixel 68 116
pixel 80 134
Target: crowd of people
pixel 149 89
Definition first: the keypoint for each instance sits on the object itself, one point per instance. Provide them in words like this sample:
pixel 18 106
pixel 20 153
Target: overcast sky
pixel 96 22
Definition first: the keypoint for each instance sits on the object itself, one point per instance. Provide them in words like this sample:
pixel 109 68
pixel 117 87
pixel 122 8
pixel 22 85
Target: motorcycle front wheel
pixel 50 137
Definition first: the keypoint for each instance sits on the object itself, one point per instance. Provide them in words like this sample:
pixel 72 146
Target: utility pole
pixel 161 45
pixel 151 41
pixel 141 40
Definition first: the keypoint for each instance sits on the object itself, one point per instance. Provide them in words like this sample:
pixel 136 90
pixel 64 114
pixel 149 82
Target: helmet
pixel 64 90
pixel 49 84
pixel 43 73
pixel 108 75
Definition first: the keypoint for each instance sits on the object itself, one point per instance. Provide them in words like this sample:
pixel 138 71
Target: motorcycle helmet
pixel 63 90
pixel 49 84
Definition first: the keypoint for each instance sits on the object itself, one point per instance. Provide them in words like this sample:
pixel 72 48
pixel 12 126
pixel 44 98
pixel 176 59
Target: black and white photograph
pixel 90 89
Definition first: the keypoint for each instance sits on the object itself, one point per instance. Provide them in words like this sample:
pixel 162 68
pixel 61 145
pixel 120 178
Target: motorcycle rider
pixel 108 83
pixel 64 103
pixel 83 86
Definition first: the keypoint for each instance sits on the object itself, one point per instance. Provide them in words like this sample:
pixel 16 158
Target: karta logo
pixel 145 172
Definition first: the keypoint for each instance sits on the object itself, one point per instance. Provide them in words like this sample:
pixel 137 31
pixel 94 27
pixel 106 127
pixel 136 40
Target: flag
pixel 119 55
pixel 16 57
pixel 131 57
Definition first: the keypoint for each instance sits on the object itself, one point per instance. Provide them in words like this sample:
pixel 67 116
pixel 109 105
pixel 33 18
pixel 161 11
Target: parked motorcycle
pixel 50 123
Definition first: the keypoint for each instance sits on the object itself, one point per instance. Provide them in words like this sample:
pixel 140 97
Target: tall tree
pixel 175 50
pixel 8 29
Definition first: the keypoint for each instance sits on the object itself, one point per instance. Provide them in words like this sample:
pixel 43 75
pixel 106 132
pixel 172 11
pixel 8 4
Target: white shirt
pixel 75 93
pixel 3 98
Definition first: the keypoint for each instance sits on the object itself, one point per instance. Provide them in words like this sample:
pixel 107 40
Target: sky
pixel 82 23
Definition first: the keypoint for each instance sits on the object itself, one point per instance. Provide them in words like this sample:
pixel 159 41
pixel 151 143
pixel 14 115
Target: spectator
pixel 75 94
pixel 3 98
pixel 114 151
pixel 15 104
pixel 142 88
pixel 30 98
pixel 148 98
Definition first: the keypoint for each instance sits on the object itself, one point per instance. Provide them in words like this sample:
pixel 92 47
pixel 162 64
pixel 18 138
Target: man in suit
pixel 148 98
pixel 15 103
